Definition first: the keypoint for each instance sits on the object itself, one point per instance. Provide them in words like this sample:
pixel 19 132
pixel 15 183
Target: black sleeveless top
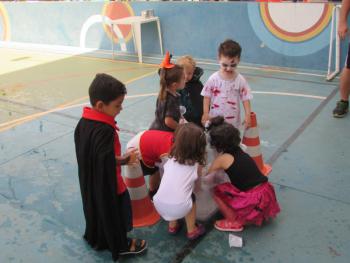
pixel 243 172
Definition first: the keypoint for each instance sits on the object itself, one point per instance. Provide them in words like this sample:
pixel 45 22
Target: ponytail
pixel 169 76
pixel 163 85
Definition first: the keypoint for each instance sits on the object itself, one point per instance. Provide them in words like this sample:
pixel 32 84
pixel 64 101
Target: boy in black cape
pixel 106 201
pixel 191 97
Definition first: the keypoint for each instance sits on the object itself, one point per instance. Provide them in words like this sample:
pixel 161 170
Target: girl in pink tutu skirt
pixel 248 198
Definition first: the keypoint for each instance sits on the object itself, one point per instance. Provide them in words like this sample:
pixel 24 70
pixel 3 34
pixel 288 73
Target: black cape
pixel 94 144
pixel 192 99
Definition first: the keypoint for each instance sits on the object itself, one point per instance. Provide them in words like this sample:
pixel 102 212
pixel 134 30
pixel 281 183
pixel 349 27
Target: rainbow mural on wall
pixel 4 24
pixel 277 28
pixel 120 34
pixel 279 19
pixel 116 10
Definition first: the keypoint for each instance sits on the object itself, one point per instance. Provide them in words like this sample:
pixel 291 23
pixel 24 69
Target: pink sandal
pixel 228 225
pixel 176 229
pixel 199 231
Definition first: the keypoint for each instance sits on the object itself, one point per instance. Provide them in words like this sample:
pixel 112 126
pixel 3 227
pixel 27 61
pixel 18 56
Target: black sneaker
pixel 341 110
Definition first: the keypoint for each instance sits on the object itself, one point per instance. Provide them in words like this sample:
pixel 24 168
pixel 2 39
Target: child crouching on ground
pixel 175 198
pixel 153 147
pixel 248 198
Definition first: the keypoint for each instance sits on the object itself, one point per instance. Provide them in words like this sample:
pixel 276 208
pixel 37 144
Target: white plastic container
pixel 147 13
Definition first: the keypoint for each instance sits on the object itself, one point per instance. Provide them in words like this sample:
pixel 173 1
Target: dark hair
pixel 167 77
pixel 224 137
pixel 189 144
pixel 105 88
pixel 230 48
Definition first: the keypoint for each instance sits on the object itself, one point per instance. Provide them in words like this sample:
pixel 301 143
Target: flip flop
pixel 176 229
pixel 135 247
pixel 227 225
pixel 199 231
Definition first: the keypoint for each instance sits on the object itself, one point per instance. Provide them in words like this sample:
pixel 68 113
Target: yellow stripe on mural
pixel 116 6
pixel 6 23
pixel 264 12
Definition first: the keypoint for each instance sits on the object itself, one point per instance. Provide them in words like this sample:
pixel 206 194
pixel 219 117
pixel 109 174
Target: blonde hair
pixel 186 61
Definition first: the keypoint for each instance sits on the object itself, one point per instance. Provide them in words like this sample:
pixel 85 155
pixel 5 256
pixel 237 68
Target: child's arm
pixel 128 158
pixel 206 105
pixel 247 109
pixel 245 97
pixel 171 123
pixel 200 170
pixel 223 161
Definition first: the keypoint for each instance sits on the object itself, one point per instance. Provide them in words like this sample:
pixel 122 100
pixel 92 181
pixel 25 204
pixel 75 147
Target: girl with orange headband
pixel 172 78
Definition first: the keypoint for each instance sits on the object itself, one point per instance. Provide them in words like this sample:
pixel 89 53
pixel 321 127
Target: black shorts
pixel 148 170
pixel 348 58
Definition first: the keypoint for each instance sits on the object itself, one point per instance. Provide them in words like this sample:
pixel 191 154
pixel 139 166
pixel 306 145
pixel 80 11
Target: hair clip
pixel 166 61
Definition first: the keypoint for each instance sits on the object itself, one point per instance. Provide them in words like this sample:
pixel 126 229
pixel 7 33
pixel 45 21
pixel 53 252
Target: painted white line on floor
pixel 290 94
pixel 262 67
pixel 13 123
pixel 63 108
pixel 254 92
pixel 73 50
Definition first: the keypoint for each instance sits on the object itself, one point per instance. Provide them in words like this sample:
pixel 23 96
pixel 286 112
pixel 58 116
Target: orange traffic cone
pixel 143 211
pixel 252 141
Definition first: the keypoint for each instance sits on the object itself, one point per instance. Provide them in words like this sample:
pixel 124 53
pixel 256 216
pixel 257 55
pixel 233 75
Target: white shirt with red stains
pixel 225 97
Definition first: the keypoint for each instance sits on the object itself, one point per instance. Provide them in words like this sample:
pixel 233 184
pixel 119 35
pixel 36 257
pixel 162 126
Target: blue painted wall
pixel 194 28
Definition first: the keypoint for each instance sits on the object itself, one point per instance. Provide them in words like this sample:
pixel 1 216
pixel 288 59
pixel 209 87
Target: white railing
pixel 334 26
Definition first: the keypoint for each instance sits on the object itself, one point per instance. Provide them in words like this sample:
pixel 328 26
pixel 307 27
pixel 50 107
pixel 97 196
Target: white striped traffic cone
pixel 143 211
pixel 252 141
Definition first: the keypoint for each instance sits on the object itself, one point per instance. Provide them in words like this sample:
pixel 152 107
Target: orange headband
pixel 166 61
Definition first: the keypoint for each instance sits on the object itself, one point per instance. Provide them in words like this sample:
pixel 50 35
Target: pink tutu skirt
pixel 251 207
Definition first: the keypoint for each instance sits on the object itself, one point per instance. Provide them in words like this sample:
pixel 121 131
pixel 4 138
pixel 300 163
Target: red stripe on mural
pixel 296 34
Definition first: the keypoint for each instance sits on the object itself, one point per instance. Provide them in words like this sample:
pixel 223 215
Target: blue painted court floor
pixel 41 217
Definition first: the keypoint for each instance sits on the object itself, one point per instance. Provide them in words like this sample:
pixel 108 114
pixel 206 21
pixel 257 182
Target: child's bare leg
pixel 174 227
pixel 173 223
pixel 154 181
pixel 191 219
pixel 227 211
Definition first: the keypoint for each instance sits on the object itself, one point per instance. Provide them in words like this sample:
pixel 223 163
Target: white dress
pixel 173 198
pixel 225 97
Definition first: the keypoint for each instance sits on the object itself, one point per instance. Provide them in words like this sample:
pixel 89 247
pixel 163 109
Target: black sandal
pixel 135 247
